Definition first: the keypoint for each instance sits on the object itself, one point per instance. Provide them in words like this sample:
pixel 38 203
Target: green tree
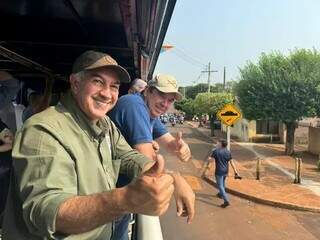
pixel 211 103
pixel 186 106
pixel 281 88
pixel 192 91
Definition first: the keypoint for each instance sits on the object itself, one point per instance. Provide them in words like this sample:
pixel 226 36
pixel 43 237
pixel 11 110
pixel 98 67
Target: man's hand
pixel 150 195
pixel 155 168
pixel 182 149
pixel 184 197
pixel 155 146
pixel 6 136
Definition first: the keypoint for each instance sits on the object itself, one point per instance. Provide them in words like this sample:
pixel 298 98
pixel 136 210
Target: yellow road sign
pixel 229 114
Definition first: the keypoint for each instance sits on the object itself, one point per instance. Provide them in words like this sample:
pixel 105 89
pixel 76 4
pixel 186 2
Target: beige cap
pixel 166 84
pixel 92 59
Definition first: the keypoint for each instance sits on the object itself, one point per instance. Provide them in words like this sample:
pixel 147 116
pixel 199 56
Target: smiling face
pixel 96 91
pixel 158 102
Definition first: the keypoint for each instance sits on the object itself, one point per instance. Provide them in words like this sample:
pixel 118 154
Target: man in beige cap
pixel 137 117
pixel 67 159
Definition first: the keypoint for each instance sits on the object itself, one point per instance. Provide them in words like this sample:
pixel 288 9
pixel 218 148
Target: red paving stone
pixel 274 186
pixel 243 220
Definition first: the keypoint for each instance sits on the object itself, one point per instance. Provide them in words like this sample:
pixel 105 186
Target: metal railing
pixel 147 227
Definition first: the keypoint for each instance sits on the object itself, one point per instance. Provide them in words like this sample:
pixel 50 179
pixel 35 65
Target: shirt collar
pixel 96 130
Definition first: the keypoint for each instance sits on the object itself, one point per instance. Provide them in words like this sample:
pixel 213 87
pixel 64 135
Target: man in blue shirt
pixel 222 156
pixel 137 117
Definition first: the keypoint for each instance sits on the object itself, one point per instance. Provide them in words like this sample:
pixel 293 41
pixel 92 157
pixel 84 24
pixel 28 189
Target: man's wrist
pixel 120 199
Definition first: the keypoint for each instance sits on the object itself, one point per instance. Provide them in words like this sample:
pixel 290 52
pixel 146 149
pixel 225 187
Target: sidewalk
pixel 275 186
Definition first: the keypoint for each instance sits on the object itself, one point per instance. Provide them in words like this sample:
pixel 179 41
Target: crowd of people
pixel 80 168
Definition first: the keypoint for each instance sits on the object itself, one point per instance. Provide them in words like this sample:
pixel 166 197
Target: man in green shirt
pixel 67 160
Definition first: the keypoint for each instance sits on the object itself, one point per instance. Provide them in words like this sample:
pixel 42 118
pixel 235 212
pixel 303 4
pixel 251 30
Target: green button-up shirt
pixel 59 154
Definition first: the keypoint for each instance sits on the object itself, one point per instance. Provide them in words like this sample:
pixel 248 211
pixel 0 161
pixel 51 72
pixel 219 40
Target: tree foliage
pixel 211 103
pixel 192 91
pixel 186 106
pixel 281 88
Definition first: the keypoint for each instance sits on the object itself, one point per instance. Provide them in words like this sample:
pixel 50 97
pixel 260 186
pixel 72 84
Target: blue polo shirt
pixel 222 156
pixel 131 115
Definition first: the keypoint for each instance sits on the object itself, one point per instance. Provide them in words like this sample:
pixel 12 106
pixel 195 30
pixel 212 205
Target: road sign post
pixel 229 115
pixel 228 137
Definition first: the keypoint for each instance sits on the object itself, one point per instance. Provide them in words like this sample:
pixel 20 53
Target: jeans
pixel 221 186
pixel 121 228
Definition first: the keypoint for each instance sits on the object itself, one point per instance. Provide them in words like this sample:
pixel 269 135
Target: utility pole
pixel 224 78
pixel 209 71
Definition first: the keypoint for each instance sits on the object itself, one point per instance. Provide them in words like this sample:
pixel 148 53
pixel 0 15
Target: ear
pixel 74 83
pixel 146 91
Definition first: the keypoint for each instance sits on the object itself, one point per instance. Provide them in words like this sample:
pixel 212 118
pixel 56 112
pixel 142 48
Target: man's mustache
pixel 102 99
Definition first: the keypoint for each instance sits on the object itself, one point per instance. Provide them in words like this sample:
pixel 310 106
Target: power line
pixel 186 59
pixel 189 57
pixel 196 81
pixel 186 54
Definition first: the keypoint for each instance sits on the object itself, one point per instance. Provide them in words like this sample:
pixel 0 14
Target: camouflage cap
pixel 92 59
pixel 166 84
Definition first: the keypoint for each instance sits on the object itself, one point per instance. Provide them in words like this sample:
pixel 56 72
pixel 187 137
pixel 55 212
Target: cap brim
pixel 122 72
pixel 170 90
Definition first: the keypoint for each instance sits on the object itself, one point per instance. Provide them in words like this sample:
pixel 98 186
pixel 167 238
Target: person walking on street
pixel 222 157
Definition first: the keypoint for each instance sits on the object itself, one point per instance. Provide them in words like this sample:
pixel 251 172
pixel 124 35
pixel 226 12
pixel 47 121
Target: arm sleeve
pixel 8 90
pixel 159 129
pixel 133 120
pixel 132 162
pixel 45 177
pixel 213 153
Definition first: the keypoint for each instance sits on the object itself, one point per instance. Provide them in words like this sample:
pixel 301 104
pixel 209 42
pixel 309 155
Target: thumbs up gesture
pixel 157 168
pixel 150 193
pixel 182 149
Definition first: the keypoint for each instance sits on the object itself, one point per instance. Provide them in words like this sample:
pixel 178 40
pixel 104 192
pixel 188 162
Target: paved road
pixel 243 220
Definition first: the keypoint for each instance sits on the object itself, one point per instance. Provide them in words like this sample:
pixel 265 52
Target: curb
pixel 255 199
pixel 283 205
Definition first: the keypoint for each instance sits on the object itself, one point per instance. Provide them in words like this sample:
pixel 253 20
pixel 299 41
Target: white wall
pixel 314 140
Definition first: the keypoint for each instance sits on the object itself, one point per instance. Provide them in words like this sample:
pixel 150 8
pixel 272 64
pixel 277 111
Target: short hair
pixel 223 142
pixel 134 82
pixel 138 85
pixel 80 75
